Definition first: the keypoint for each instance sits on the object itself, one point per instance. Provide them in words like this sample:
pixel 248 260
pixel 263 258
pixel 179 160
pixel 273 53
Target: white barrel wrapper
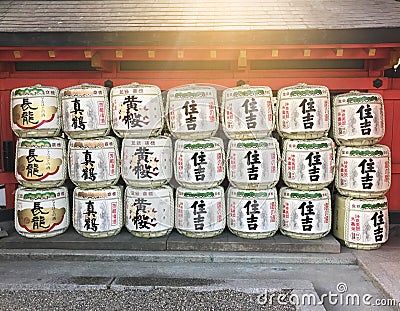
pixel 149 212
pixel 303 111
pixel 41 162
pixel 199 164
pixel 361 223
pixel 305 214
pixel 248 112
pixel 252 214
pixel 35 111
pixel 358 118
pixel 193 111
pixel 41 213
pixel 137 110
pixel 308 164
pixel 253 164
pixel 86 111
pixel 94 162
pixel 200 213
pixel 146 162
pixel 364 171
pixel 98 213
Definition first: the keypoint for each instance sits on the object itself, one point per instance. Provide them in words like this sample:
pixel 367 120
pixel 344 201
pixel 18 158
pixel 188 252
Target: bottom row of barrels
pixel 359 223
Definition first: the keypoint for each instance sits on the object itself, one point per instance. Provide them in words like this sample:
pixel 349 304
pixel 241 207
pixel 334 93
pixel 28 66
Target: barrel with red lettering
pixel 41 213
pixel 303 111
pixel 98 213
pixel 252 214
pixel 35 111
pixel 193 111
pixel 361 223
pixel 364 171
pixel 94 162
pixel 200 213
pixel 358 119
pixel 149 211
pixel 85 111
pixel 254 164
pixel 146 162
pixel 199 164
pixel 308 164
pixel 305 214
pixel 41 162
pixel 248 112
pixel 137 110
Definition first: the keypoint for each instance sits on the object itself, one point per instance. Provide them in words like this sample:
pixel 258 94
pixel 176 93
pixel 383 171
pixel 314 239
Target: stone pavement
pixel 239 276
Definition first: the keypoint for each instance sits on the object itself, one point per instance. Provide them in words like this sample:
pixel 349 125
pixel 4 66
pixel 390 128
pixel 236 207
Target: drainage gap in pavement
pixel 167 282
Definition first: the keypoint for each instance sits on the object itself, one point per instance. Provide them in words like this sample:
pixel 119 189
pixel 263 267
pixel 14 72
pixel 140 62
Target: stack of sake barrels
pixel 307 161
pixel 363 170
pixel 94 165
pixel 253 161
pixel 41 203
pixel 146 155
pixel 199 160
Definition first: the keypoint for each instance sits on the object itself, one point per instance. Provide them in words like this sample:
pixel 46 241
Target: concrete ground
pixel 57 279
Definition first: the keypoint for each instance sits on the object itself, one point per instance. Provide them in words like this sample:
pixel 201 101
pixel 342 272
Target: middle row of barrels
pixel 362 171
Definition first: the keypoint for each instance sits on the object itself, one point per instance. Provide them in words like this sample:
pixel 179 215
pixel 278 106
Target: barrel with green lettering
pixel 358 119
pixel 199 164
pixel 364 171
pixel 361 223
pixel 35 111
pixel 41 213
pixel 192 111
pixel 254 164
pixel 98 213
pixel 200 213
pixel 252 214
pixel 248 112
pixel 149 211
pixel 303 111
pixel 305 214
pixel 308 164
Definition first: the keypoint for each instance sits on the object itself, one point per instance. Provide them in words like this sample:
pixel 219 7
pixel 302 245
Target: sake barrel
pixel 149 212
pixel 199 164
pixel 98 213
pixel 85 110
pixel 138 110
pixel 305 214
pixel 308 164
pixel 303 111
pixel 363 172
pixel 252 214
pixel 41 162
pixel 248 112
pixel 361 223
pixel 41 213
pixel 94 162
pixel 358 118
pixel 253 164
pixel 35 111
pixel 193 111
pixel 146 162
pixel 200 213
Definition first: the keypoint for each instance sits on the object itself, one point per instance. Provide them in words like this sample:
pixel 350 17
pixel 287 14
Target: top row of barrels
pixel 192 112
